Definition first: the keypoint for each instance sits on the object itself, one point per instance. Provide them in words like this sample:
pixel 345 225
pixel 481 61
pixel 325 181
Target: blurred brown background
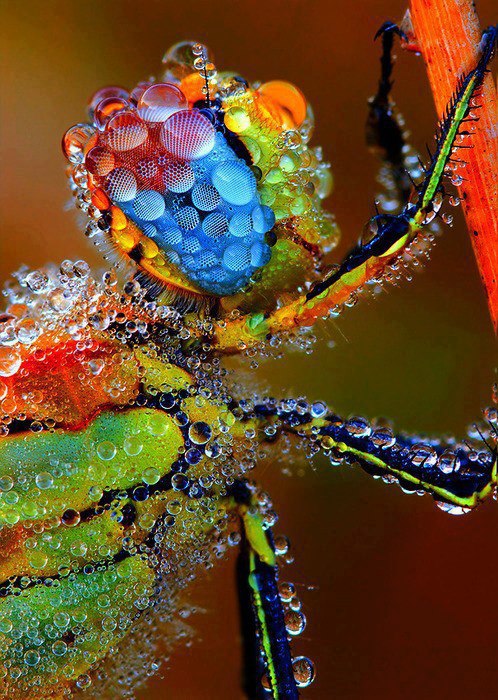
pixel 403 601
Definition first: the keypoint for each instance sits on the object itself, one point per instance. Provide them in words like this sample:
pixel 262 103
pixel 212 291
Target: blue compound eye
pixel 235 182
pixel 187 190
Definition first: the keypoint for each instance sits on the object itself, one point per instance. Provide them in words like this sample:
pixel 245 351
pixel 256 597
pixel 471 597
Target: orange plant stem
pixel 448 35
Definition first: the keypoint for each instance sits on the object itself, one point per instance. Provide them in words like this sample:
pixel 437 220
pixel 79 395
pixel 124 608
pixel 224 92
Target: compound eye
pixel 184 205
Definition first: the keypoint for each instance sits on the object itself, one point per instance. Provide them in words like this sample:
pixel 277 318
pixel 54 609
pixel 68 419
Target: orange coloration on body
pixel 100 199
pixel 448 35
pixel 191 86
pixel 119 220
pixel 11 539
pixel 289 101
pixel 57 381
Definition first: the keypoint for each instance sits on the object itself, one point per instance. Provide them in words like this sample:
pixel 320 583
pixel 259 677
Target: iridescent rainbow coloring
pixel 191 180
pixel 126 448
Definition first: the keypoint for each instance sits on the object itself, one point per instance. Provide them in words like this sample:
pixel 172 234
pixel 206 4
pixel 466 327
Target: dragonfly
pixel 127 451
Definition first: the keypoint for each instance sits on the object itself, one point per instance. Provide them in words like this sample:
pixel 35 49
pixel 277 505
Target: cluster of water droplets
pixel 80 353
pixel 422 457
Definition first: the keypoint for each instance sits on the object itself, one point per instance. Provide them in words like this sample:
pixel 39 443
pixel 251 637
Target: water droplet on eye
pixel 125 131
pixel 199 433
pixel 75 140
pixel 108 108
pixel 160 101
pixel 188 135
pixel 304 671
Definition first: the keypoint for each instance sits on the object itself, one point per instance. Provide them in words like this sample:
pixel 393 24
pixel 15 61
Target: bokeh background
pixel 400 598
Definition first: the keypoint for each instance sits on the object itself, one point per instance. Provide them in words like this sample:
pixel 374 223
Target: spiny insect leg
pixel 394 232
pixel 459 476
pixel 391 235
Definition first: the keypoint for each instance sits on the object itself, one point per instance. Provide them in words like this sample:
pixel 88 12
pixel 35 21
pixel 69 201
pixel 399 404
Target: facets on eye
pixel 149 205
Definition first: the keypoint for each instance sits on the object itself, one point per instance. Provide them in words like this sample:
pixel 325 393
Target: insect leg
pixel 459 476
pixel 385 134
pixel 258 578
pixel 394 232
pixel 390 235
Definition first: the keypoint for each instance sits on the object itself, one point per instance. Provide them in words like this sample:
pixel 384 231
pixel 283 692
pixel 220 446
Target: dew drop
pixel 304 671
pixel 199 433
pixel 106 450
pixel 295 622
pixel 44 480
